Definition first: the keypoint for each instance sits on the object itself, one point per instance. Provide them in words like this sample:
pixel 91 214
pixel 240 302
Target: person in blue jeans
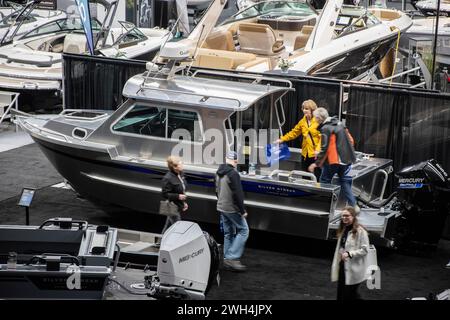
pixel 336 153
pixel 230 205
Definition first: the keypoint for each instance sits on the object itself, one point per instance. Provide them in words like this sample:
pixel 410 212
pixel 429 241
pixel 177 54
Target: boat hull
pixel 350 65
pixel 95 176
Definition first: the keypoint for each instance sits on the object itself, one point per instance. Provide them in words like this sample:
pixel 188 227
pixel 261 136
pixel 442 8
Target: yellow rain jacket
pixel 310 134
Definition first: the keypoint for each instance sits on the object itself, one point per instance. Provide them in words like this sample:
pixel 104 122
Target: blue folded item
pixel 276 152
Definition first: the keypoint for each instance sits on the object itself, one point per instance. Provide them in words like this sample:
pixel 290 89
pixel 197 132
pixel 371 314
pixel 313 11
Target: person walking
pixel 336 153
pixel 230 205
pixel 349 267
pixel 174 189
pixel 307 127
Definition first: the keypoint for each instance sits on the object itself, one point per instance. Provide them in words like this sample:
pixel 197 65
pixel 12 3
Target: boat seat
pixel 222 40
pixel 237 58
pixel 259 39
pixel 262 63
pixel 385 14
pixel 302 39
pixel 75 43
pixel 213 62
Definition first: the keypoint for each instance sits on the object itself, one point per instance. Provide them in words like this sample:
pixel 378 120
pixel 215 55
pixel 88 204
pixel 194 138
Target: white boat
pixel 429 7
pixel 339 41
pixel 27 17
pixel 35 61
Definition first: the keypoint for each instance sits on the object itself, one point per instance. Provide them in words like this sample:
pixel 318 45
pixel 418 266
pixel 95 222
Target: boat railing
pixel 77 114
pixel 257 78
pixel 303 174
pixel 385 175
pixel 45 132
pixel 203 96
pixel 8 100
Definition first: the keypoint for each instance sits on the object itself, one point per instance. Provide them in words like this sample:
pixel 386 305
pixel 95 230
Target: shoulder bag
pixel 168 208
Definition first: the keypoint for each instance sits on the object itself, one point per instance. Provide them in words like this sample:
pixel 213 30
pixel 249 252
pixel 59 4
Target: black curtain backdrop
pixel 404 125
pixel 324 93
pixel 96 82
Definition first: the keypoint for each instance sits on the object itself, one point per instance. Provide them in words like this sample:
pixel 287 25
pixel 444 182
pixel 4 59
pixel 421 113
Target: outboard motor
pixel 424 201
pixel 188 263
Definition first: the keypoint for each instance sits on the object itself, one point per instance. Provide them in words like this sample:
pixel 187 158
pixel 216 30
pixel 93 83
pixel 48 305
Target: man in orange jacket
pixel 336 153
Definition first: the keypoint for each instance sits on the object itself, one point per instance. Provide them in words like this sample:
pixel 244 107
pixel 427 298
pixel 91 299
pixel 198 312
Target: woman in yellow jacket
pixel 307 127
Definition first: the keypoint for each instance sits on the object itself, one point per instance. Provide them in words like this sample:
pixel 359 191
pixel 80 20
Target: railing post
pixel 341 98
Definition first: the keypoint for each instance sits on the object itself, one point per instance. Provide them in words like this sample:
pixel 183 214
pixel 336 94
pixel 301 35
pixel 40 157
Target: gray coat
pixel 230 196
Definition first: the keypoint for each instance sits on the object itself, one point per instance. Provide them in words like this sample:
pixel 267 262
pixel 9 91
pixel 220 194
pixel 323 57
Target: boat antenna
pixel 162 46
pixel 196 48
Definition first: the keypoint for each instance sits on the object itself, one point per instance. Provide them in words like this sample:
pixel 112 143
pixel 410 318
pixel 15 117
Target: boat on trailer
pixel 120 156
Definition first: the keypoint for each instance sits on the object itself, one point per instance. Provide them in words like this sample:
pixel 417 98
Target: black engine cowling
pixel 424 201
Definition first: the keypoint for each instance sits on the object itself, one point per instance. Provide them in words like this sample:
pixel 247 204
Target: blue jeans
pixel 235 229
pixel 345 181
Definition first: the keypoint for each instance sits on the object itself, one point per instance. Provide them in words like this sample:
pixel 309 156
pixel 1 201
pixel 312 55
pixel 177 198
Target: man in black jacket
pixel 230 205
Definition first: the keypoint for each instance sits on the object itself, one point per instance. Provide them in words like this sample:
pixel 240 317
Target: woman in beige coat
pixel 349 264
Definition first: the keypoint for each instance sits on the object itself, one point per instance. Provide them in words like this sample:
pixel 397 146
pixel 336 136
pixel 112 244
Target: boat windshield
pixel 70 24
pixel 12 18
pixel 7 20
pixel 274 9
pixel 132 36
pixel 352 19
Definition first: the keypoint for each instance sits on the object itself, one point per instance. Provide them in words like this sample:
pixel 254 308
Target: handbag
pixel 168 208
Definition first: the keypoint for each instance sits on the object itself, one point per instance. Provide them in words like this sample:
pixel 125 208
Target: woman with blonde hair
pixel 307 128
pixel 174 189
pixel 349 266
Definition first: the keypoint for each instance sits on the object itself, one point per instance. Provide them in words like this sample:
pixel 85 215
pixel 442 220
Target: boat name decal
pixel 192 255
pixel 411 180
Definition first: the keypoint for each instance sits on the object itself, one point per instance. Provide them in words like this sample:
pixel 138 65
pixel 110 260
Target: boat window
pixel 261 117
pixel 143 120
pixel 352 19
pixel 274 9
pixel 159 122
pixel 187 120
pixel 9 20
pixel 61 25
pixel 47 28
pixel 133 36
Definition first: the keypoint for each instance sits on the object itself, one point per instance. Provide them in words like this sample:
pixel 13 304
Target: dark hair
pixel 356 224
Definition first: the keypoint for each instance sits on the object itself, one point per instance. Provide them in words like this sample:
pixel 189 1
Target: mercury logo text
pixel 192 255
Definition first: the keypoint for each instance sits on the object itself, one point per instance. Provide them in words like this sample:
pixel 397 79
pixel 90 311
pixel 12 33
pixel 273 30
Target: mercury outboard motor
pixel 424 201
pixel 188 263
